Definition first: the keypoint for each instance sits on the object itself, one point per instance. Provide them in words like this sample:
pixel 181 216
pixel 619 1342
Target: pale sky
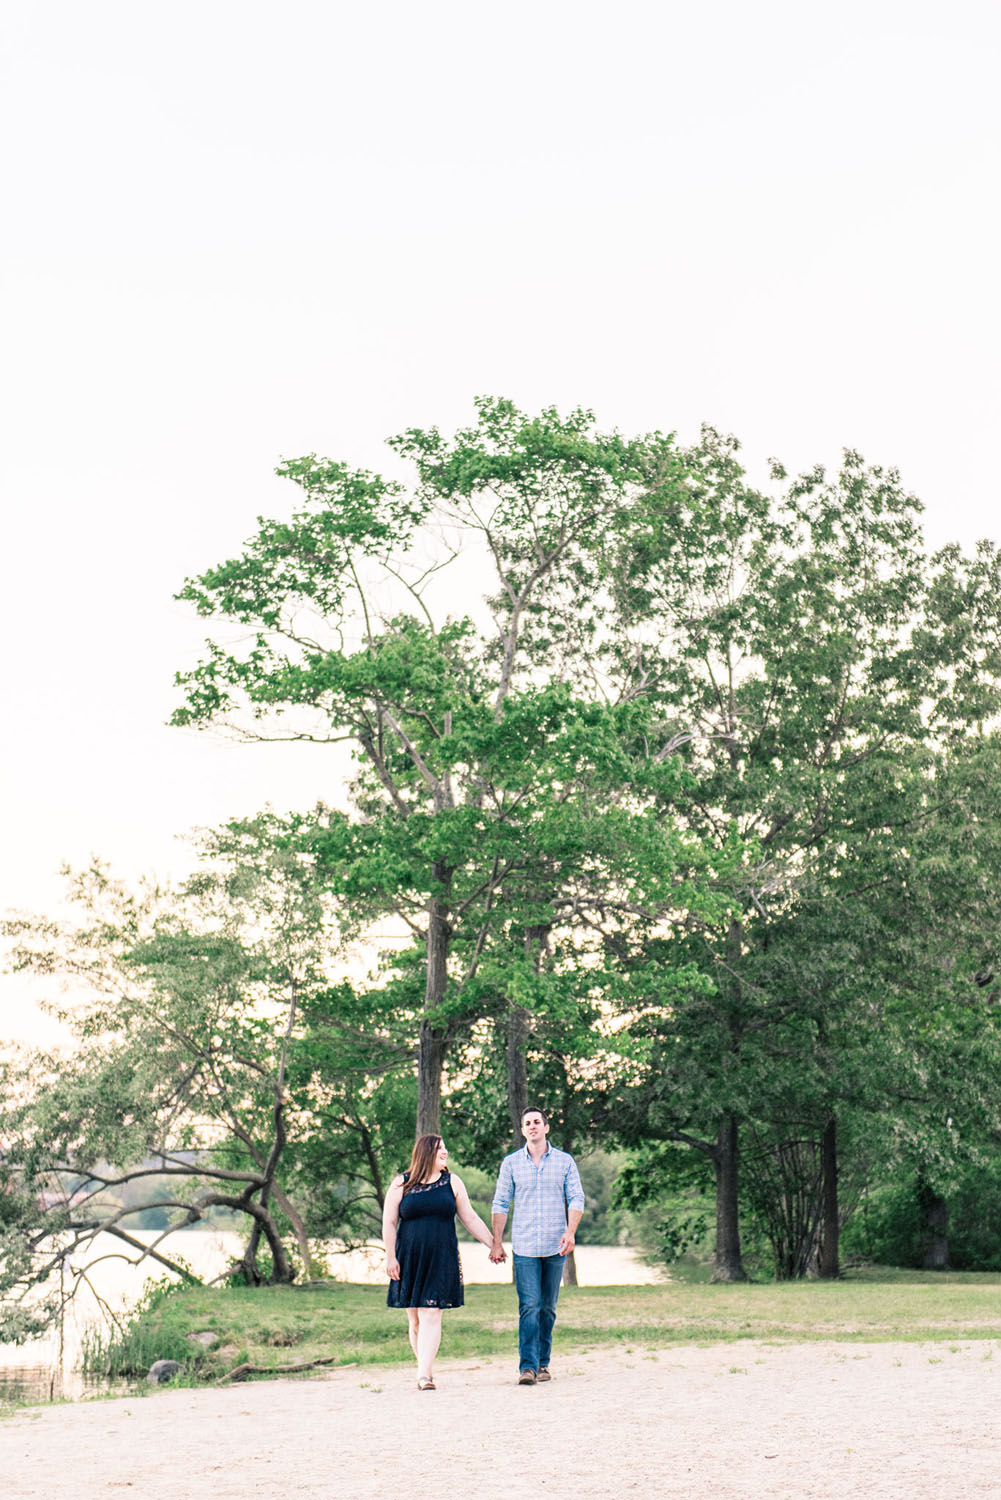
pixel 236 232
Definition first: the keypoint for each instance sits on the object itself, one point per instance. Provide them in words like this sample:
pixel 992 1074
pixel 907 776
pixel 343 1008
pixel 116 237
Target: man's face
pixel 534 1127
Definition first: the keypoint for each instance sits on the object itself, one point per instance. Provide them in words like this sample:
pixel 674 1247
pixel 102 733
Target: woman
pixel 422 1252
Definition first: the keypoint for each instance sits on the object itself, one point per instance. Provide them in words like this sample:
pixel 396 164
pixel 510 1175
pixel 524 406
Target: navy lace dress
pixel 427 1248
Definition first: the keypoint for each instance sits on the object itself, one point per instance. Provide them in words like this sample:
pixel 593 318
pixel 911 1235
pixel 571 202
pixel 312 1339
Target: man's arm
pixel 567 1242
pixel 575 1207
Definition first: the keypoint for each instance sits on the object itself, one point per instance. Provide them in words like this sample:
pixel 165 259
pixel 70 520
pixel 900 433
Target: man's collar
pixel 549 1147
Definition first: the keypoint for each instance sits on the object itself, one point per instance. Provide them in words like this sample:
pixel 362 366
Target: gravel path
pixel 730 1422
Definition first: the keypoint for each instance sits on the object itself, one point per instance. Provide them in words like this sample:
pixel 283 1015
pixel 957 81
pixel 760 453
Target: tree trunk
pixel 434 1039
pixel 828 1268
pixel 282 1273
pixel 298 1223
pixel 727 1264
pixel 281 1269
pixel 430 1065
pixel 247 1264
pixel 934 1226
pixel 517 1071
pixel 519 1027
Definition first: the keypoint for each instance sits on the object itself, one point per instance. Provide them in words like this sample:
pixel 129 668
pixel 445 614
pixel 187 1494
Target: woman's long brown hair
pixel 422 1162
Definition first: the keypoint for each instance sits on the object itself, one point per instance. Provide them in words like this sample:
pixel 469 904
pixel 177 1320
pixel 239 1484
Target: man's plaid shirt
pixel 542 1194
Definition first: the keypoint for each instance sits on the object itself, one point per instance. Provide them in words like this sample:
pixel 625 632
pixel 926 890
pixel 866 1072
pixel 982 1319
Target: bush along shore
pixel 211 1335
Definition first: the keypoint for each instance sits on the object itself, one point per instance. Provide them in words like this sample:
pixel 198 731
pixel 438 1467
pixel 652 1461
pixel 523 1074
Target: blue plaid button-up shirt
pixel 542 1195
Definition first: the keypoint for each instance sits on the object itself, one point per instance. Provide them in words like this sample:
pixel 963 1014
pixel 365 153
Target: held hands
pixel 497 1253
pixel 392 1268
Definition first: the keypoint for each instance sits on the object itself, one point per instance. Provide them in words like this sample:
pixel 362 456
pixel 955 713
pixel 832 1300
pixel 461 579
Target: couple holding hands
pixel 422 1251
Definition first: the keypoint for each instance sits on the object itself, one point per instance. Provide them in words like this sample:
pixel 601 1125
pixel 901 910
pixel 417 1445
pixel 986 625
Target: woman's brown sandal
pixel 425 1383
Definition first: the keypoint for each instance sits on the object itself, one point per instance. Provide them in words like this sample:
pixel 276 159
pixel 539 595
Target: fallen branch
pixel 240 1372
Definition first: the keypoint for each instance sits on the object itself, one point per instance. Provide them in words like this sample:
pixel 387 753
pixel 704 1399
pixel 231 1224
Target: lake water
pixel 44 1370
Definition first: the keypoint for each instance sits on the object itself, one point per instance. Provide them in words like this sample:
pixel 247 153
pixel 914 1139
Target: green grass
pixel 351 1324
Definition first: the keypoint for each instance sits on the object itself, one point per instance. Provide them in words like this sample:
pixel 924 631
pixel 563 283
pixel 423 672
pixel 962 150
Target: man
pixel 549 1201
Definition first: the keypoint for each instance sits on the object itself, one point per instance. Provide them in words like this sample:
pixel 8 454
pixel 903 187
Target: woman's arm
pixel 390 1219
pixel 468 1216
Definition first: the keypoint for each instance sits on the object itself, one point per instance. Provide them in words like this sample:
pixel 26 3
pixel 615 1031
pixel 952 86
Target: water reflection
pixel 46 1369
pixel 31 1385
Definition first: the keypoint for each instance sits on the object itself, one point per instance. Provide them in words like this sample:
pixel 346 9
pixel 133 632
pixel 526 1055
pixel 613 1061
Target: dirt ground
pixel 730 1422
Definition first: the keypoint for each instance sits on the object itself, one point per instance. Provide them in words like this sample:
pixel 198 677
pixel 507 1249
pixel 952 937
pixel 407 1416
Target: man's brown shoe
pixel 543 1374
pixel 527 1377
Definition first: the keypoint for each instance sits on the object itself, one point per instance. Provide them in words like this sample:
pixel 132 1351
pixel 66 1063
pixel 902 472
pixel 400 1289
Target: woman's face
pixel 441 1156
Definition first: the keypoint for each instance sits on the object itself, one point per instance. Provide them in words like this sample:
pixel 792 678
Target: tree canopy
pixel 674 802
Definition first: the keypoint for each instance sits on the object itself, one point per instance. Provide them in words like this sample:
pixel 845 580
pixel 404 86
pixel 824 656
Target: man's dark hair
pixel 533 1109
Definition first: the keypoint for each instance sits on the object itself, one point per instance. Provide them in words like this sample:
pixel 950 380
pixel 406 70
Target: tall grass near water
pixel 122 1347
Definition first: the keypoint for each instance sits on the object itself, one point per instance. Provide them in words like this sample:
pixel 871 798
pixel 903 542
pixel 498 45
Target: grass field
pixel 349 1324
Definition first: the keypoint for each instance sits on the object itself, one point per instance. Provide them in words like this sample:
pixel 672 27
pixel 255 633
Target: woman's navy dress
pixel 427 1248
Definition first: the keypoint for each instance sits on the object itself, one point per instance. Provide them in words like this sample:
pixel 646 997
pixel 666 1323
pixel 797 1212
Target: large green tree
pixel 808 651
pixel 499 794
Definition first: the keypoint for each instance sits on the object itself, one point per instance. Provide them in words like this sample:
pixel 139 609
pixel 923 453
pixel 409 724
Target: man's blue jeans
pixel 538 1279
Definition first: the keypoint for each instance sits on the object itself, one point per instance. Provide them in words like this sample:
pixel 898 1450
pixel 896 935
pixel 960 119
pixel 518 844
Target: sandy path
pixel 731 1422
